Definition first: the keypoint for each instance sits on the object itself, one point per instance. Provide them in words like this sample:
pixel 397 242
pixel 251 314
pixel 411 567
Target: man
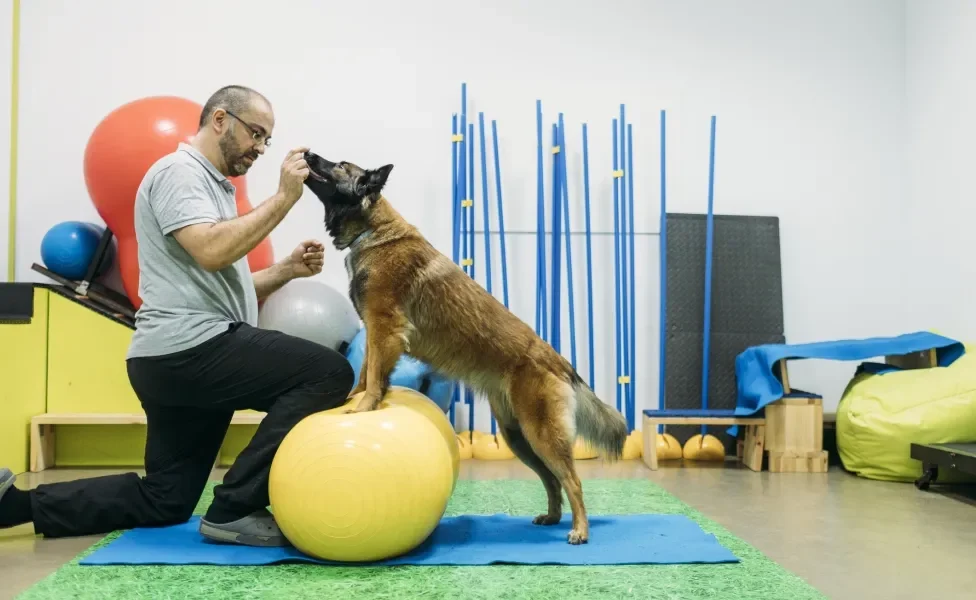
pixel 196 355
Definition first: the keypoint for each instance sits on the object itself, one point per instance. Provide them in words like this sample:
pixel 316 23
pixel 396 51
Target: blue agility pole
pixel 468 392
pixel 709 226
pixel 501 229
pixel 616 261
pixel 487 224
pixel 564 192
pixel 455 233
pixel 663 261
pixel 540 271
pixel 589 256
pixel 555 328
pixel 624 300
pixel 632 415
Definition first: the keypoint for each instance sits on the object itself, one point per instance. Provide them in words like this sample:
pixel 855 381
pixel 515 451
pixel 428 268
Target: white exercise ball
pixel 311 310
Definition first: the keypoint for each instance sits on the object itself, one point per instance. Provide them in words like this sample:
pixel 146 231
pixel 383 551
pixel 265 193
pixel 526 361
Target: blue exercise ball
pixel 69 247
pixel 408 372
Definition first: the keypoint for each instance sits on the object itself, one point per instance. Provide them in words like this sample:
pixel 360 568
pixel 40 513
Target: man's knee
pixel 331 376
pixel 168 507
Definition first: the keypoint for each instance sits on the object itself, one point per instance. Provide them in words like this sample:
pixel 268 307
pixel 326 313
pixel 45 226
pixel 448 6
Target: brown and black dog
pixel 413 299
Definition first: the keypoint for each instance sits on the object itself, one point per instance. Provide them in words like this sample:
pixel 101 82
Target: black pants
pixel 189 398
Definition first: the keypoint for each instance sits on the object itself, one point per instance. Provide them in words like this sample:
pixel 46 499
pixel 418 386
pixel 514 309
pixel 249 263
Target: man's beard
pixel 234 156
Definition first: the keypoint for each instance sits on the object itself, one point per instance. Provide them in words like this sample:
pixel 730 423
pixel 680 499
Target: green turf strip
pixel 754 577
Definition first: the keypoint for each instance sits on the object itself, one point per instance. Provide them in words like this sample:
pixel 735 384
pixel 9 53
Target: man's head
pixel 237 122
pixel 348 193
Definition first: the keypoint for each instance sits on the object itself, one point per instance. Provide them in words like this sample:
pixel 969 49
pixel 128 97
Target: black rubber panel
pixel 747 307
pixel 16 303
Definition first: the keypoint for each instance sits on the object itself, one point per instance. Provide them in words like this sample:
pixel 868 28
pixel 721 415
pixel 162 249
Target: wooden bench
pixel 752 450
pixel 788 433
pixel 43 430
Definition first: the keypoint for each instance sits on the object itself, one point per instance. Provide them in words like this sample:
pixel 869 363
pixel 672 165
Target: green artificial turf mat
pixel 754 577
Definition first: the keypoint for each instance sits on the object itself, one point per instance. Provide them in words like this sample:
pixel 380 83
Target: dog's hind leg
pixel 545 414
pixel 523 451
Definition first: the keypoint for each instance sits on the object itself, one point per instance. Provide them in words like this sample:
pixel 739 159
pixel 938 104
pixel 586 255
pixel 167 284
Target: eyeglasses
pixel 258 137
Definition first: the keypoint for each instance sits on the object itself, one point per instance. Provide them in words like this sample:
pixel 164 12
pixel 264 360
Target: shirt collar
pixel 209 166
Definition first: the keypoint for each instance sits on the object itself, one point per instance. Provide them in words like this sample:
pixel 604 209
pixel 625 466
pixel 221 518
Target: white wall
pixel 809 99
pixel 940 60
pixel 6 48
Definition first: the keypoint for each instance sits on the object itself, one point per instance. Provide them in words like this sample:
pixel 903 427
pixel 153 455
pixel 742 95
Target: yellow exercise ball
pixel 633 446
pixel 668 447
pixel 704 448
pixel 491 447
pixel 583 450
pixel 414 400
pixel 361 486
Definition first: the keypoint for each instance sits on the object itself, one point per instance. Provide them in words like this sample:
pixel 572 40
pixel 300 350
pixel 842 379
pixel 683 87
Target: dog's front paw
pixel 365 404
pixel 577 537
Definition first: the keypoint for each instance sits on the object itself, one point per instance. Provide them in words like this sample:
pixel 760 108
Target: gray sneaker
pixel 257 529
pixel 7 479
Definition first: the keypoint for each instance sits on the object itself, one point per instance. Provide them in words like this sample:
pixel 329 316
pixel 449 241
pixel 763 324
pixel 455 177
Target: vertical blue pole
pixel 468 392
pixel 501 231
pixel 555 328
pixel 708 271
pixel 455 231
pixel 455 224
pixel 625 316
pixel 463 175
pixel 501 212
pixel 463 195
pixel 471 194
pixel 540 272
pixel 486 227
pixel 633 283
pixel 616 259
pixel 589 255
pixel 663 259
pixel 564 188
pixel 484 200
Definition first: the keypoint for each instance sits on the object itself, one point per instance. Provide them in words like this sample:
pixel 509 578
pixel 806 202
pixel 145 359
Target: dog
pixel 415 300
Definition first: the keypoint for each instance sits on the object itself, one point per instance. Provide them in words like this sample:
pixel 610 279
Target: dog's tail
pixel 597 422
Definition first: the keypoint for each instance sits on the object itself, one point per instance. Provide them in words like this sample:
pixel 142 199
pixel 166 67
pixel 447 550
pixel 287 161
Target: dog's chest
pixel 357 282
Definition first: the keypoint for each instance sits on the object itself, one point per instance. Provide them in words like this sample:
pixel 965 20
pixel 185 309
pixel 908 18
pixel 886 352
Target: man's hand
pixel 306 259
pixel 294 171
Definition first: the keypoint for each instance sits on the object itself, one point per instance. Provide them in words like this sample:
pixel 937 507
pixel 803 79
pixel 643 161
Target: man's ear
pixel 373 181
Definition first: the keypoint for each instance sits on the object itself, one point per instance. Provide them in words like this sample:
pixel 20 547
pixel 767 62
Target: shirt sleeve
pixel 179 198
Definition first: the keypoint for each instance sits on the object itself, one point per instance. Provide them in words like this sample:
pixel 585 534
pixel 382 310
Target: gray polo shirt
pixel 183 304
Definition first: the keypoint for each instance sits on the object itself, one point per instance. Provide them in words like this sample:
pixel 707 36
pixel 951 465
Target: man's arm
pixel 267 281
pixel 216 245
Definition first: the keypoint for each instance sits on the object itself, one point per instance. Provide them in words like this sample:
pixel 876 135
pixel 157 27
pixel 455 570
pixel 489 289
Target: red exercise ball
pixel 123 146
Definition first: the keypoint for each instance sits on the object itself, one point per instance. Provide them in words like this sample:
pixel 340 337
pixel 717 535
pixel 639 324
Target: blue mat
pixel 758 385
pixel 462 540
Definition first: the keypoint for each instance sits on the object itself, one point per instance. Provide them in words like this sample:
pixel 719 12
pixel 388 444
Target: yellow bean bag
pixel 880 415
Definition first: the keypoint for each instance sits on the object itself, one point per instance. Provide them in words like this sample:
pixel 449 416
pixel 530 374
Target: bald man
pixel 197 355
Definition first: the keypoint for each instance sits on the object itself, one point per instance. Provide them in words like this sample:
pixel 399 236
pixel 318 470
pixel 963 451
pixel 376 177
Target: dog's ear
pixel 373 181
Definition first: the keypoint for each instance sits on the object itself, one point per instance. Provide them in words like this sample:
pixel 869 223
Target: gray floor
pixel 848 537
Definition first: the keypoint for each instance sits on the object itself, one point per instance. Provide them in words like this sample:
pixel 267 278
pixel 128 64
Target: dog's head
pixel 348 193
